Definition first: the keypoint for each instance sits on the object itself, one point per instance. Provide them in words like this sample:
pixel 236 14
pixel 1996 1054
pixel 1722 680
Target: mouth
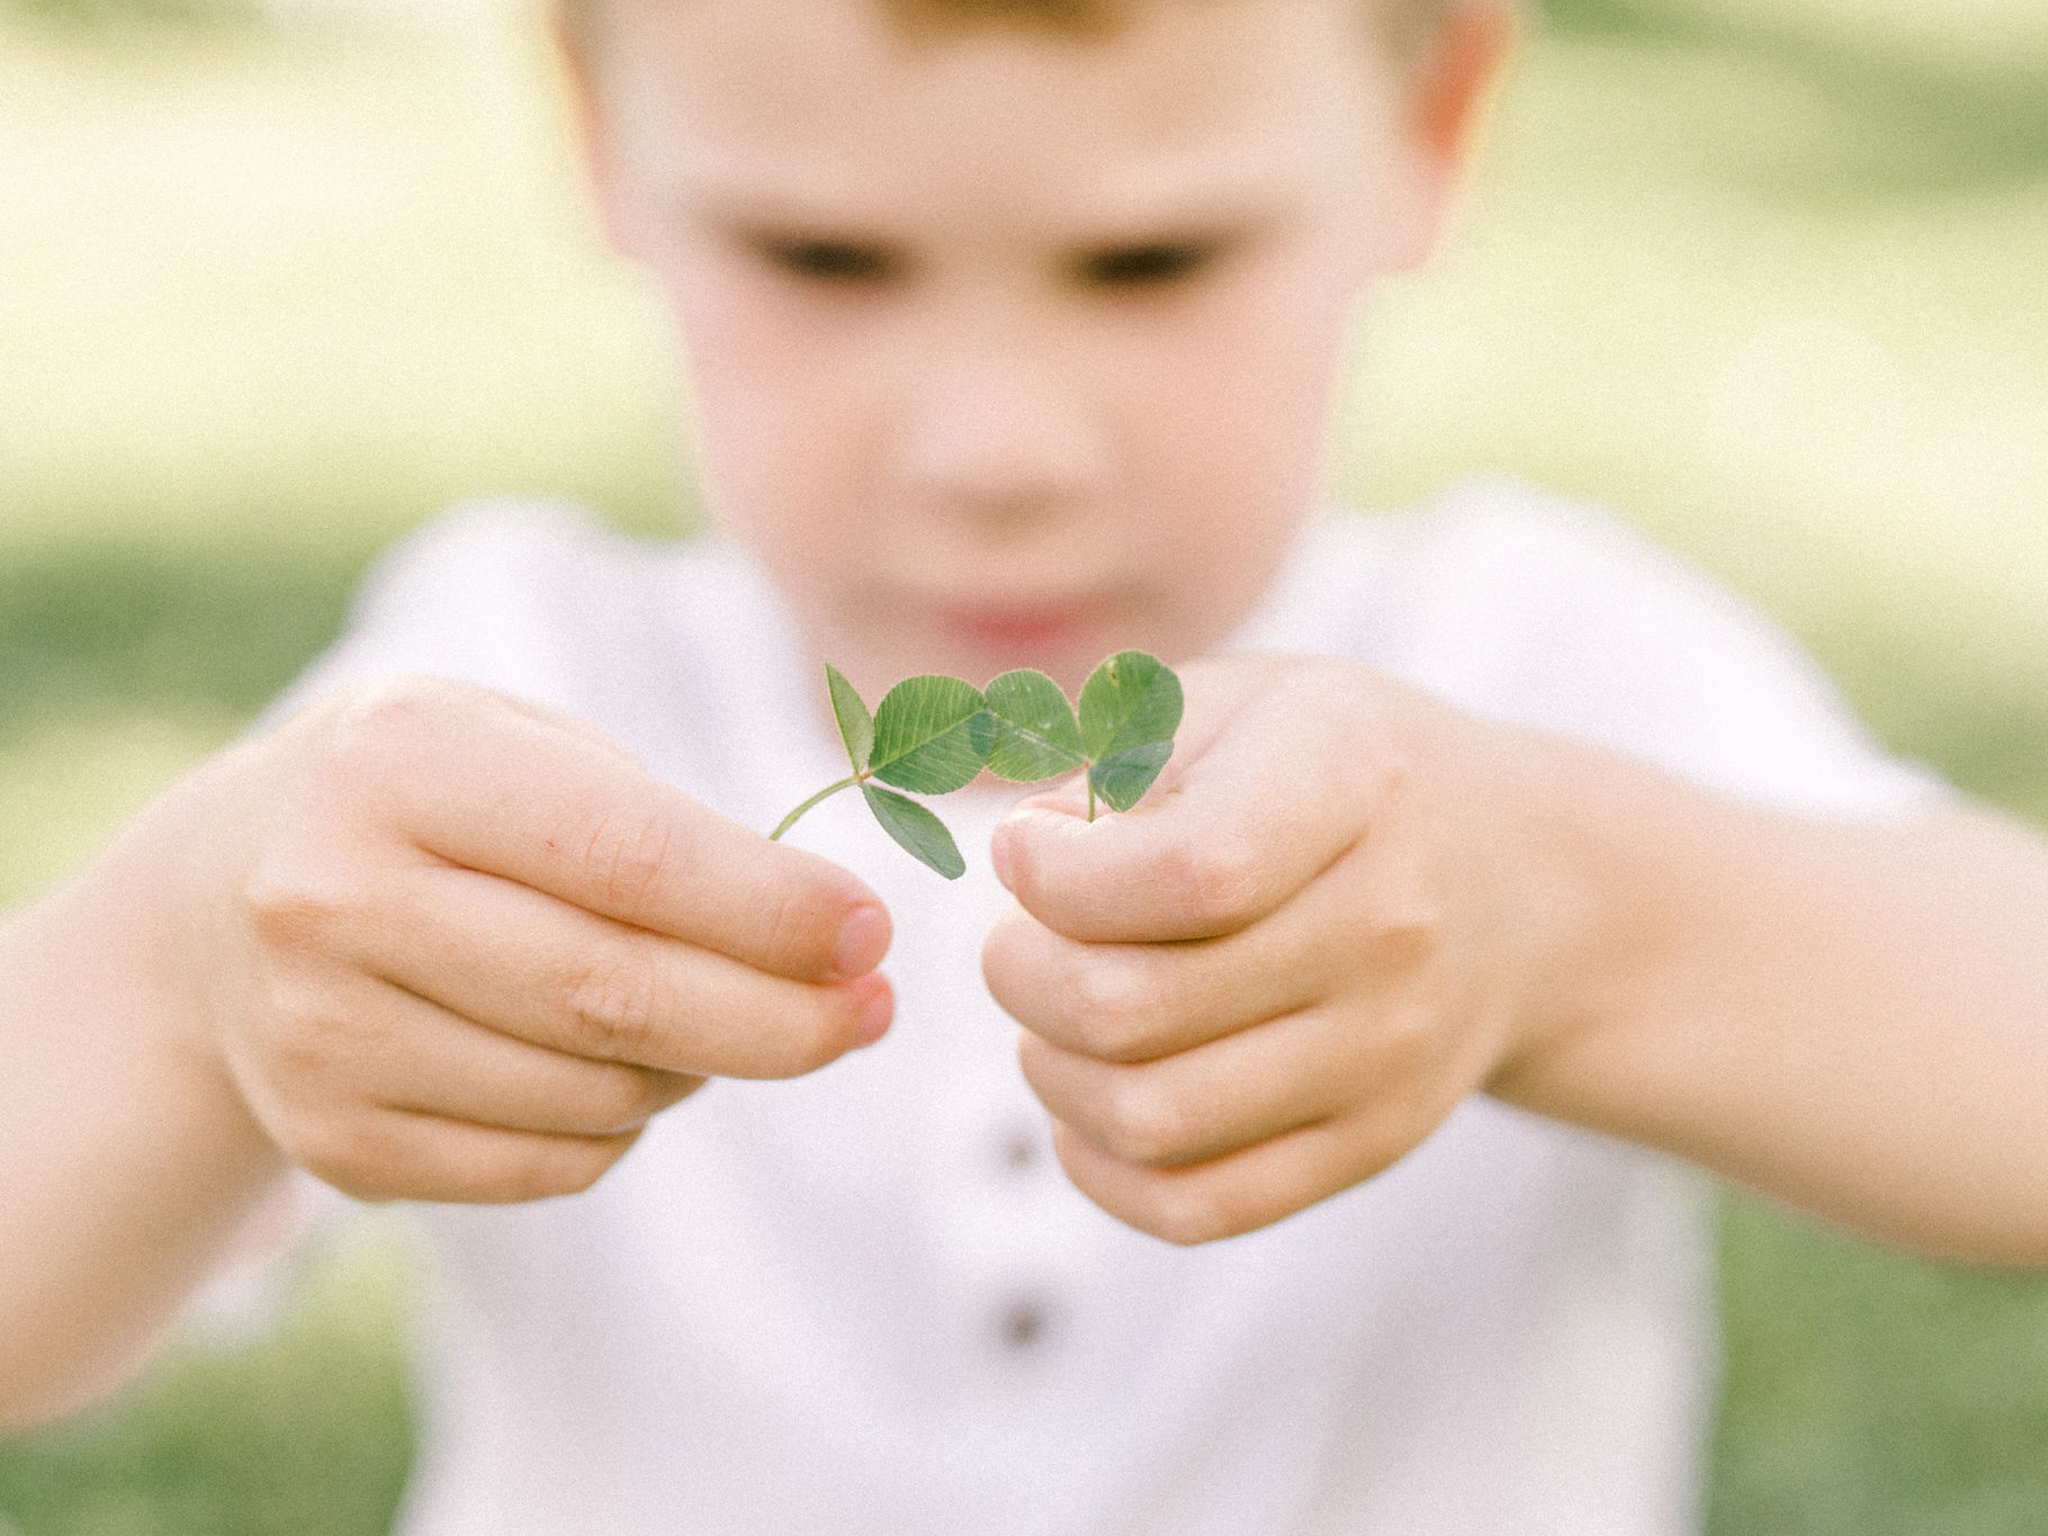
pixel 1020 628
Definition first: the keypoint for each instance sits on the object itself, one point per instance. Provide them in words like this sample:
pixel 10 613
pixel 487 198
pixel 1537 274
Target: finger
pixel 1134 1002
pixel 419 1057
pixel 555 976
pixel 1229 834
pixel 1240 1192
pixel 1235 1092
pixel 512 791
pixel 392 1154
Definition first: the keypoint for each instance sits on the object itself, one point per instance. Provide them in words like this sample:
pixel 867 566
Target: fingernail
pixel 863 940
pixel 876 1013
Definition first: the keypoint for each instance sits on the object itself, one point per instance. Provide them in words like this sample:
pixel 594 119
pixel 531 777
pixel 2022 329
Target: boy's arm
pixel 424 941
pixel 1851 1017
pixel 1373 905
pixel 131 1167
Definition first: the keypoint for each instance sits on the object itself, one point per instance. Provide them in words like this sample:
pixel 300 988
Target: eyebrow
pixel 774 210
pixel 1152 210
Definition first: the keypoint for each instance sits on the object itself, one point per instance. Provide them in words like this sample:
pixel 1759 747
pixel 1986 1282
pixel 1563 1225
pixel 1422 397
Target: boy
pixel 1013 327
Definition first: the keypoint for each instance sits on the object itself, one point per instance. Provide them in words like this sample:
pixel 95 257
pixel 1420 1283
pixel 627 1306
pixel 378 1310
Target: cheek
pixel 1237 423
pixel 1245 389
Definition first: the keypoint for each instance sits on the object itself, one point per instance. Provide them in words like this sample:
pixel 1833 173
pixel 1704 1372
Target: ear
pixel 575 49
pixel 1454 82
pixel 1450 90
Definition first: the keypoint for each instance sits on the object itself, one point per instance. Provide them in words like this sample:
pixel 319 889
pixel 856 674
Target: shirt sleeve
pixel 1550 615
pixel 472 596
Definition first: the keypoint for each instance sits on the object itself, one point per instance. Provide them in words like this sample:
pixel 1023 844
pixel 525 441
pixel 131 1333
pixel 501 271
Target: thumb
pixel 1274 785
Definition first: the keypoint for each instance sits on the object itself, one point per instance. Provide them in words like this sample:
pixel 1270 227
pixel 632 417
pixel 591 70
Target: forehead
pixel 836 107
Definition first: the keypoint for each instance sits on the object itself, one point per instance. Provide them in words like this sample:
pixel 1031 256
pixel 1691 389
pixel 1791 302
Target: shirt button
pixel 1023 1324
pixel 1018 1152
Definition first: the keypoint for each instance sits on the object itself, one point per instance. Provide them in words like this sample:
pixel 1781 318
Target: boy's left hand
pixel 1333 919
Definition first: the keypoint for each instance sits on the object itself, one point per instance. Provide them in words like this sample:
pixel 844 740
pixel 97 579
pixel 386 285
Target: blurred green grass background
pixel 1766 276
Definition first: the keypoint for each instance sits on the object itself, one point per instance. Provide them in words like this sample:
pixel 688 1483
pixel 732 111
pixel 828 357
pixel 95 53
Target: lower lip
pixel 1023 629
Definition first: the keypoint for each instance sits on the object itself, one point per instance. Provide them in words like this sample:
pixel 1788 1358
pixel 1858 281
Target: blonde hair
pixel 1405 28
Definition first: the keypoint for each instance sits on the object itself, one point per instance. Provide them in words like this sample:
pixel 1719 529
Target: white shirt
pixel 868 1301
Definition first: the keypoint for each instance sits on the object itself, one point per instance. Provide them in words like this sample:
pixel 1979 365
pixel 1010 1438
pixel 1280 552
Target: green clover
pixel 1130 708
pixel 934 734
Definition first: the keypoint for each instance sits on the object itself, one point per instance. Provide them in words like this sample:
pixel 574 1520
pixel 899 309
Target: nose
pixel 999 422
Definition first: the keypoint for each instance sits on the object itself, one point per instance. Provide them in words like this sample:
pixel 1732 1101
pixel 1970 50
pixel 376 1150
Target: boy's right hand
pixel 450 946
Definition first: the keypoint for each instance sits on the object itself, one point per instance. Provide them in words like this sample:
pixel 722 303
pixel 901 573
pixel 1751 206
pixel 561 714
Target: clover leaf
pixel 1130 707
pixel 856 725
pixel 916 830
pixel 1036 736
pixel 934 734
pixel 930 734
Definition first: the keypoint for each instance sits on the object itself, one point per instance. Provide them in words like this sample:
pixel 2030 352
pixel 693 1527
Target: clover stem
pixel 1090 777
pixel 827 792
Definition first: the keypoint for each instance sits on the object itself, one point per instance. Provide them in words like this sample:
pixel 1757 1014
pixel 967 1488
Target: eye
pixel 848 262
pixel 1149 264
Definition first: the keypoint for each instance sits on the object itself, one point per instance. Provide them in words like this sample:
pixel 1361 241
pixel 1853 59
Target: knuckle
pixel 1146 1122
pixel 1406 1042
pixel 369 723
pixel 397 704
pixel 290 910
pixel 1114 1005
pixel 1409 941
pixel 627 858
pixel 1218 882
pixel 614 1005
pixel 304 1044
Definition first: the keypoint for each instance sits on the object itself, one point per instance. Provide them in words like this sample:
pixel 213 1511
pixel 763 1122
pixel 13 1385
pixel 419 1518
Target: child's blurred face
pixel 1011 346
